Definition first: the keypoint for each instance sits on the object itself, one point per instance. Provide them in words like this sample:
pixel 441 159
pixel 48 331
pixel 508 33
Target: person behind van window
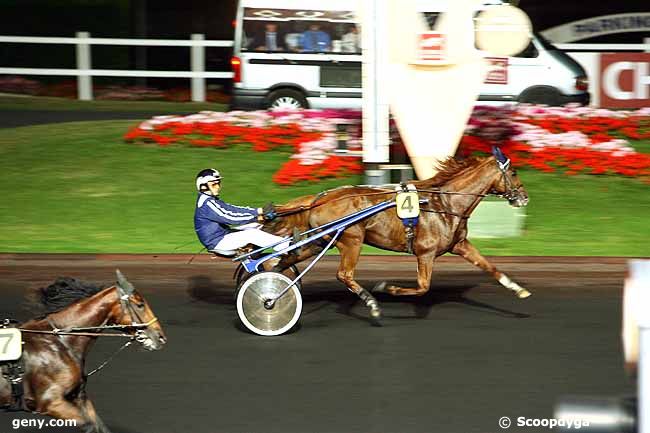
pixel 293 41
pixel 213 218
pixel 351 41
pixel 315 40
pixel 270 40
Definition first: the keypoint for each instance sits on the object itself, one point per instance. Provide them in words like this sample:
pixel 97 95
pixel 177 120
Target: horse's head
pixel 507 184
pixel 136 315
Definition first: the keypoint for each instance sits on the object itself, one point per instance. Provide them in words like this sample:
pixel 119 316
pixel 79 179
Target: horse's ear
pixel 124 283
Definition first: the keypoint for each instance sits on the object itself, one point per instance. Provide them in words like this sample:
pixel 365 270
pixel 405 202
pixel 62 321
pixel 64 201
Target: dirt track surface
pixel 454 361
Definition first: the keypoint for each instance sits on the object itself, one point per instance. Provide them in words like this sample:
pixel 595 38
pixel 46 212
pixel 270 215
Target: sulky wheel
pixel 257 315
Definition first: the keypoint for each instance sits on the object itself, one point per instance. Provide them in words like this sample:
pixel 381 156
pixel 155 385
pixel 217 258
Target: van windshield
pixel 548 46
pixel 298 31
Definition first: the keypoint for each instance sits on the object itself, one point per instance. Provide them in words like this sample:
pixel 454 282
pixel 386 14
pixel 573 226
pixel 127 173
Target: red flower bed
pixel 310 135
pixel 570 140
pixel 333 166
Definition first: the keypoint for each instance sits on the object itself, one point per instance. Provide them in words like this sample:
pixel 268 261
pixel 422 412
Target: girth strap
pixel 410 236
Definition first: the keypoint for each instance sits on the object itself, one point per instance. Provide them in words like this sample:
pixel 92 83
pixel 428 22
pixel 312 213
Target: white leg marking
pixel 509 284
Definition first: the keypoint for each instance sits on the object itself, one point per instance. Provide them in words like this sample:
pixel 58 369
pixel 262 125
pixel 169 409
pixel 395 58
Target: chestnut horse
pixel 452 195
pixel 55 346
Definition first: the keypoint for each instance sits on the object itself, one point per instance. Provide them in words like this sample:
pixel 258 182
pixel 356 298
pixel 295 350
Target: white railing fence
pixel 586 54
pixel 85 72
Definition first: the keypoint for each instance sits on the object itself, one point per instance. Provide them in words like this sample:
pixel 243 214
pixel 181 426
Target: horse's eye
pixel 140 305
pixel 514 172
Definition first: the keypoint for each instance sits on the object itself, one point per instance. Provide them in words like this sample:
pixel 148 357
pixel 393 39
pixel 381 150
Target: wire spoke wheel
pixel 257 316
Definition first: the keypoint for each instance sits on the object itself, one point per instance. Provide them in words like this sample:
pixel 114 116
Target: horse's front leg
pixel 51 397
pixel 89 410
pixel 350 248
pixel 425 269
pixel 469 252
pixel 61 408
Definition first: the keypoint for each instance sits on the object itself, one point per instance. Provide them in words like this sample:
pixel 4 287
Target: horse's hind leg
pixel 425 269
pixel 350 249
pixel 469 252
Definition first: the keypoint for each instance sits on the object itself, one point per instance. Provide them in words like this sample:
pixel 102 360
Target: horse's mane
pixel 449 169
pixel 63 292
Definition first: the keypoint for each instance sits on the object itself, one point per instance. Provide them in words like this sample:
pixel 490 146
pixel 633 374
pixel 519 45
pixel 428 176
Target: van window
pixel 296 31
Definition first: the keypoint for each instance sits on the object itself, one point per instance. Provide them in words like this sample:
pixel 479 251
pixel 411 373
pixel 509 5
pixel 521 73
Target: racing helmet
pixel 205 176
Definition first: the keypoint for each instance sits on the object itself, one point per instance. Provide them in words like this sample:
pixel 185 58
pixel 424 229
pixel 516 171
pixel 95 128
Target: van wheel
pixel 541 95
pixel 287 99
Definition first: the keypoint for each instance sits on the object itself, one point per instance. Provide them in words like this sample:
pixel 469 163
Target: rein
pixel 81 331
pixel 432 191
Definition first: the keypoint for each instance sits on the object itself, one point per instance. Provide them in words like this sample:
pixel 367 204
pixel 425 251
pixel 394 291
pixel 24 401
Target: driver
pixel 213 216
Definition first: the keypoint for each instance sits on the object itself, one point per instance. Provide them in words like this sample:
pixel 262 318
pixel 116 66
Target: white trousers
pixel 241 238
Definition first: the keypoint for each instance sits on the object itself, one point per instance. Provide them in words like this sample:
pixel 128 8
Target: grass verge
pixel 78 187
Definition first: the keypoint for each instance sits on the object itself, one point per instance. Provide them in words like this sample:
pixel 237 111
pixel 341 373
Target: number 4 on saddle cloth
pixel 408 210
pixel 11 367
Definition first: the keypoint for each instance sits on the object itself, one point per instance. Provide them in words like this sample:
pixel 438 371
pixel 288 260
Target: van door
pixel 510 76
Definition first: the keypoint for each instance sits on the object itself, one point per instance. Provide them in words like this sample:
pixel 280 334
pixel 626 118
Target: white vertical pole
pixel 84 82
pixel 374 49
pixel 644 380
pixel 198 65
pixel 639 290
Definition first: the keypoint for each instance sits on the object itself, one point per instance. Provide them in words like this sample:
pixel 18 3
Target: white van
pixel 306 53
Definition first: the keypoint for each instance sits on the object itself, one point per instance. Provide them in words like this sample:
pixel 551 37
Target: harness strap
pixel 13 372
pixel 110 358
pixel 314 203
pixel 79 331
pixel 410 236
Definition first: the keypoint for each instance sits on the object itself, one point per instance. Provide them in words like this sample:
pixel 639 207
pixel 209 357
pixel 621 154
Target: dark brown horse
pixel 55 346
pixel 452 196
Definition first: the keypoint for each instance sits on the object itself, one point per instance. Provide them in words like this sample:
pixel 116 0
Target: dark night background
pixel 173 19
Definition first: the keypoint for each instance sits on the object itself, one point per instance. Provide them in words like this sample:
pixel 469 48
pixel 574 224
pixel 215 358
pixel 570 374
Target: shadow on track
pixel 204 289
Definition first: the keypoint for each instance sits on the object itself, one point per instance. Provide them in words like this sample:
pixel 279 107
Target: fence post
pixel 84 82
pixel 198 65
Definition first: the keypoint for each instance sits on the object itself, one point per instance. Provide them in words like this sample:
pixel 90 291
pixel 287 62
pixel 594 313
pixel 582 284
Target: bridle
pixel 512 193
pixel 125 291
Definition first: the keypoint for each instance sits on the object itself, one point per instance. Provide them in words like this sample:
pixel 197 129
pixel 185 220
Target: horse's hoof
pixel 379 288
pixel 523 294
pixel 375 317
